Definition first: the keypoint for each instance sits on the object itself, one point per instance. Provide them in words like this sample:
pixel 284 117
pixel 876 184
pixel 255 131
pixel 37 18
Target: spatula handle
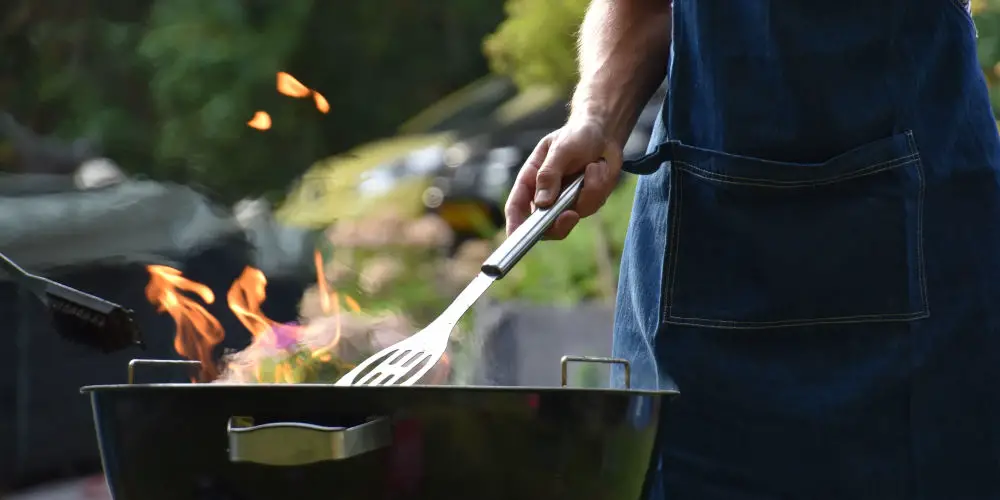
pixel 530 232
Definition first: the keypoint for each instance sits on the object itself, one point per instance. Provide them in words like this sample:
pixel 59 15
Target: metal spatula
pixel 407 361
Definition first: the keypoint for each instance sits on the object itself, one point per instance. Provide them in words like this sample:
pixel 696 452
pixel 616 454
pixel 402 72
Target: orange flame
pixel 330 304
pixel 245 297
pixel 290 86
pixel 198 332
pixel 260 121
pixel 324 288
pixel 321 104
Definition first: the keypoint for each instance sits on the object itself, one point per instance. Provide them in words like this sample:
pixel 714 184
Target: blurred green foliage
pixel 987 18
pixel 167 86
pixel 569 271
pixel 536 44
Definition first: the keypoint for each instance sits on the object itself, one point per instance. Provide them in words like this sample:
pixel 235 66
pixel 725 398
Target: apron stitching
pixel 673 245
pixel 921 269
pixel 746 181
pixel 751 325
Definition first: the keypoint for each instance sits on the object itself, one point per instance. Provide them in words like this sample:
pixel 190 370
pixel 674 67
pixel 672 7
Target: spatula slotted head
pixel 405 361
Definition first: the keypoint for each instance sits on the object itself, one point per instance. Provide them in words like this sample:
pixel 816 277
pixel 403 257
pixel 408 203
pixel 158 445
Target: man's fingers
pixel 548 181
pixel 563 225
pixel 600 178
pixel 519 202
pixel 596 188
pixel 518 205
pixel 541 178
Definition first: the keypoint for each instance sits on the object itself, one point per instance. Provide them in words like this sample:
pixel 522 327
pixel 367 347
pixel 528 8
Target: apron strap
pixel 651 162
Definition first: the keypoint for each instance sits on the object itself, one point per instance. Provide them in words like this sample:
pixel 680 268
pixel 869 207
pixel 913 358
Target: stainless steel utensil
pixel 411 359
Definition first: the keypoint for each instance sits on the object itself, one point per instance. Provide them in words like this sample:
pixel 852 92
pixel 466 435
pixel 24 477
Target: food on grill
pixel 319 352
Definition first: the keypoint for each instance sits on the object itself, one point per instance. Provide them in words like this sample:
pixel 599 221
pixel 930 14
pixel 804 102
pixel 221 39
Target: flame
pixel 245 298
pixel 198 332
pixel 260 121
pixel 321 283
pixel 321 104
pixel 330 304
pixel 290 86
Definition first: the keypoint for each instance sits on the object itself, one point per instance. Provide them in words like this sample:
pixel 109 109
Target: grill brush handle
pixel 501 261
pixel 295 443
pixel 35 284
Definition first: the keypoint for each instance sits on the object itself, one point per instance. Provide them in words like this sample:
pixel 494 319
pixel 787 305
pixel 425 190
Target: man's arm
pixel 624 46
pixel 623 53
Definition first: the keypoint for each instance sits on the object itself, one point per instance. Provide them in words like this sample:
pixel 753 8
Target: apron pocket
pixel 761 244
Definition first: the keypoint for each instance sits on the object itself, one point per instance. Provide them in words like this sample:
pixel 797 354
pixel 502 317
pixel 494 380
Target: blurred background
pixel 353 155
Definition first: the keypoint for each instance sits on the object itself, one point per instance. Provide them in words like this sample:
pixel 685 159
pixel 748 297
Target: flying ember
pixel 321 104
pixel 260 121
pixel 290 86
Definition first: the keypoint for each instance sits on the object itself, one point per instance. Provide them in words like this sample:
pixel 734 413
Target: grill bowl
pixel 261 441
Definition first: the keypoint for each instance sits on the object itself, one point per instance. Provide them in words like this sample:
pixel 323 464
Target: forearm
pixel 624 47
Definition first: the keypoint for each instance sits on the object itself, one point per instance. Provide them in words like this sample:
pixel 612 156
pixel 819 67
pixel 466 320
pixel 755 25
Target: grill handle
pixel 295 443
pixel 135 363
pixel 509 252
pixel 566 360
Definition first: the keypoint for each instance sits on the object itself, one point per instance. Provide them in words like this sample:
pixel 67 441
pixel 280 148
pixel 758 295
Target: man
pixel 814 259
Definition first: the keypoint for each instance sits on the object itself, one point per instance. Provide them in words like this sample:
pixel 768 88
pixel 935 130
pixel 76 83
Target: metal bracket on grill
pixel 157 362
pixel 592 359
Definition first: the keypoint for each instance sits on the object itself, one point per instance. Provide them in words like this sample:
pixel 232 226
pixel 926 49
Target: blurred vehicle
pixel 374 176
pixel 476 173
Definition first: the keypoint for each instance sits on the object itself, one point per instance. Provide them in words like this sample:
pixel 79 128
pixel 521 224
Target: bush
pixel 536 44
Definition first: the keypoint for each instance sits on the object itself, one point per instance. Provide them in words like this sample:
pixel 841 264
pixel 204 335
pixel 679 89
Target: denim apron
pixel 813 258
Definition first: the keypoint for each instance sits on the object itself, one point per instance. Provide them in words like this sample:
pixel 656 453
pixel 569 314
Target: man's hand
pixel 582 144
pixel 624 47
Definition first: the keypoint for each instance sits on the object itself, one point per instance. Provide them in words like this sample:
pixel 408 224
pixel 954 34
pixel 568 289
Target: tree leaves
pixel 168 85
pixel 987 18
pixel 536 44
